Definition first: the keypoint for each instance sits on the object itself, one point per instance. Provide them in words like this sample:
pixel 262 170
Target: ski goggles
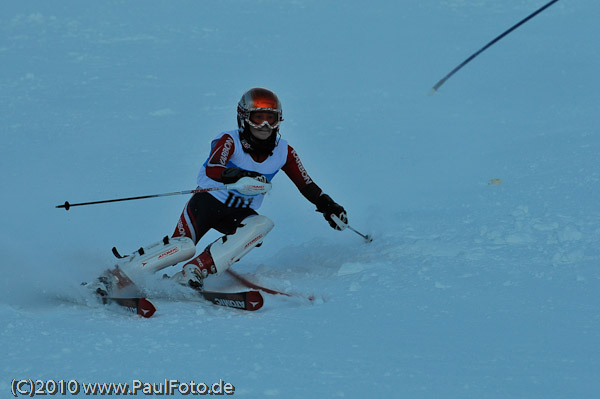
pixel 259 119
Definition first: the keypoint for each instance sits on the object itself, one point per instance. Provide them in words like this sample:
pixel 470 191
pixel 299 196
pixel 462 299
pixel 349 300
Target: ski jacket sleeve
pixel 295 170
pixel 222 151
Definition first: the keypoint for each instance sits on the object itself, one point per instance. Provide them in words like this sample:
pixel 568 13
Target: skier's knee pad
pixel 157 256
pixel 229 249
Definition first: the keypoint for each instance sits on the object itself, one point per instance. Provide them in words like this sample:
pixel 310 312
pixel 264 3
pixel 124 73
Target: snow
pixel 482 279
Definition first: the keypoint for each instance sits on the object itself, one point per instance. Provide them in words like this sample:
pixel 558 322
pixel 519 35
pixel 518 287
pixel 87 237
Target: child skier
pixel 241 165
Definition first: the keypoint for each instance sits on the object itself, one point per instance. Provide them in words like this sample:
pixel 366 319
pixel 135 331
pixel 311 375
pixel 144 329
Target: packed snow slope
pixel 482 280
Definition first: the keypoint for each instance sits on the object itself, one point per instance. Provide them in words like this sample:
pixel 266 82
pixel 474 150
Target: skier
pixel 255 150
pixel 246 159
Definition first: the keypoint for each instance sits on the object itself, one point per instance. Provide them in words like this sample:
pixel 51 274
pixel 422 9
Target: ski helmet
pixel 265 102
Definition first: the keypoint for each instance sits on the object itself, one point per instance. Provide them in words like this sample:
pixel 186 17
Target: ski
pixel 113 286
pixel 116 287
pixel 245 300
pixel 139 305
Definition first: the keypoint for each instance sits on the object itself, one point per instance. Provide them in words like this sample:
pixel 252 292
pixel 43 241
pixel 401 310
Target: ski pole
pixel 344 225
pixel 367 237
pixel 465 62
pixel 246 185
pixel 68 205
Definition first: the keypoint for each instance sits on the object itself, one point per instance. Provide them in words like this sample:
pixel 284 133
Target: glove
pixel 231 175
pixel 329 207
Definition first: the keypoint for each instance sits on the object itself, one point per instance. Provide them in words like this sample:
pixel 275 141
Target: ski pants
pixel 204 212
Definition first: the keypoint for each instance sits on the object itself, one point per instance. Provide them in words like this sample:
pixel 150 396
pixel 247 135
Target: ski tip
pixel 145 308
pixel 254 300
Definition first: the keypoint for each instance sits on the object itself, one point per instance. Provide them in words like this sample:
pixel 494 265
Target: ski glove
pixel 231 175
pixel 329 207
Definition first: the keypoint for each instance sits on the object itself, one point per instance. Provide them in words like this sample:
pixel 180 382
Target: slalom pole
pixel 249 284
pixel 465 62
pixel 245 185
pixel 343 225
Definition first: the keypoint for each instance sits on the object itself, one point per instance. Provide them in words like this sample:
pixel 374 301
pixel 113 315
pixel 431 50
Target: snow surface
pixel 472 288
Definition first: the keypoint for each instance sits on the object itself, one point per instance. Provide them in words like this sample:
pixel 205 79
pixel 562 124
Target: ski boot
pixel 194 272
